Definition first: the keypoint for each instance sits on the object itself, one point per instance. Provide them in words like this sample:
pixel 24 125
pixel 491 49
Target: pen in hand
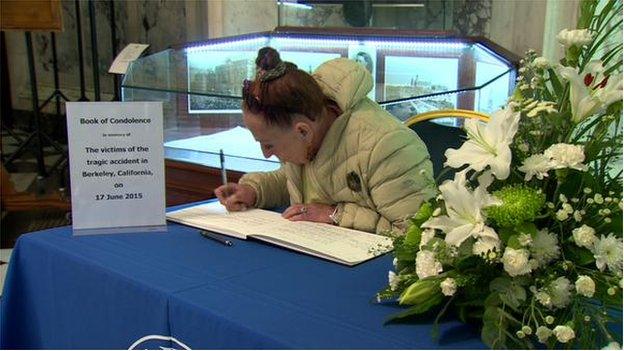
pixel 223 174
pixel 215 237
pixel 223 171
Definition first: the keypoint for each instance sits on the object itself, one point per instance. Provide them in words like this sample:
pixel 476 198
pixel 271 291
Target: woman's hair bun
pixel 268 58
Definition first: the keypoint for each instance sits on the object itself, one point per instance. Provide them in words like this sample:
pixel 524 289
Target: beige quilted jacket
pixel 371 165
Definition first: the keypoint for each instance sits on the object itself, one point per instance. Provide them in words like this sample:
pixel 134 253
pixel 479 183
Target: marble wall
pixel 472 17
pixel 518 25
pixel 514 24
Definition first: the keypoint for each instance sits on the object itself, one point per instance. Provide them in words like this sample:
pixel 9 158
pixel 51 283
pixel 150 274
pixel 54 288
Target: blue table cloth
pixel 110 291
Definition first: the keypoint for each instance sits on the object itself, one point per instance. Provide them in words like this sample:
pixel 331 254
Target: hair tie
pixel 276 72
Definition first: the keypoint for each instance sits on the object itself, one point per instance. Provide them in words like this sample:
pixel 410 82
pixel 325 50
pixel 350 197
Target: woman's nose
pixel 266 153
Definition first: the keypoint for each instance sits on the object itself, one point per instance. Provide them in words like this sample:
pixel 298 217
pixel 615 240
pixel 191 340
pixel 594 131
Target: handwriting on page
pixel 335 241
pixel 215 215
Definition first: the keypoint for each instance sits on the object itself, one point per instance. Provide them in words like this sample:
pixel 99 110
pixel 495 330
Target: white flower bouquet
pixel 527 237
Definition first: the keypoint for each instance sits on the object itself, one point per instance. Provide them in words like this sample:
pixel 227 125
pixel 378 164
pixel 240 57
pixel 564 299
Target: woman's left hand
pixel 309 212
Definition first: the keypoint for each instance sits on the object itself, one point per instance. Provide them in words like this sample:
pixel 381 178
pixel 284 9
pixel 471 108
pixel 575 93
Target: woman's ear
pixel 303 130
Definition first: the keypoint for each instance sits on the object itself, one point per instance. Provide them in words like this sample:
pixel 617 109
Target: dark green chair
pixel 439 137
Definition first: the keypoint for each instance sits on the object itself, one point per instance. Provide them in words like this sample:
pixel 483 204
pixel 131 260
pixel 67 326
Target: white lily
pixel 464 216
pixel 487 144
pixel 591 90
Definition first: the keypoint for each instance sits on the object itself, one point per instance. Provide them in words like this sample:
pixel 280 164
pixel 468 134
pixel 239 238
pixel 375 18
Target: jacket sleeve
pixel 270 187
pixel 399 179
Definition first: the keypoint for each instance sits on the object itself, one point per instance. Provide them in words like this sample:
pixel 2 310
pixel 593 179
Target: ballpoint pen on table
pixel 215 237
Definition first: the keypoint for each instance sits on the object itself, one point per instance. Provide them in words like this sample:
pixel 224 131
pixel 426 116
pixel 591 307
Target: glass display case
pixel 200 86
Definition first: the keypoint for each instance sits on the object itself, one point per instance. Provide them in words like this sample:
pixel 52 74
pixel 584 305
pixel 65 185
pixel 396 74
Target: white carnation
pixel 541 62
pixel 524 147
pixel 525 239
pixel 560 291
pixel 544 247
pixel 516 262
pixel 575 37
pixel 543 298
pixel 608 252
pixel 543 333
pixel 393 280
pixel 584 236
pixel 564 333
pixel 566 156
pixel 448 286
pixel 578 216
pixel 536 165
pixel 426 264
pixel 425 236
pixel 585 286
pixel 544 106
pixel 484 245
pixel 534 264
pixel 562 215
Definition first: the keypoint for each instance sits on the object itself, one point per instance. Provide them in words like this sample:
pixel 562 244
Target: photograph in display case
pixel 307 61
pixel 416 76
pixel 367 56
pixel 221 73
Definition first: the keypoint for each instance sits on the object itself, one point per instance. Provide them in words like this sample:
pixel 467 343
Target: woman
pixel 345 161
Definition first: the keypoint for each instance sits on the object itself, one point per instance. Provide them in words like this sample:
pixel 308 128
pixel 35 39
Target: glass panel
pixel 493 95
pixel 200 83
pixel 416 76
pixel 410 107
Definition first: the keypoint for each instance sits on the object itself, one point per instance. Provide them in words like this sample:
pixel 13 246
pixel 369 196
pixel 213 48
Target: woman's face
pixel 287 144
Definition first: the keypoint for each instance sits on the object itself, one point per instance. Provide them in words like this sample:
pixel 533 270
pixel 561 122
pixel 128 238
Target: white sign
pixel 116 159
pixel 130 53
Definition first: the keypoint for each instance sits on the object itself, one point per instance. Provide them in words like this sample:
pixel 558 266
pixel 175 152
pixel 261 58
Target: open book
pixel 341 245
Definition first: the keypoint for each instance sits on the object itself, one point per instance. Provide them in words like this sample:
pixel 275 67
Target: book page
pixel 319 239
pixel 214 216
pixel 348 245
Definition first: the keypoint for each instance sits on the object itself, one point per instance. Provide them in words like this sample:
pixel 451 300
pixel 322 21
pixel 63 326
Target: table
pixel 108 291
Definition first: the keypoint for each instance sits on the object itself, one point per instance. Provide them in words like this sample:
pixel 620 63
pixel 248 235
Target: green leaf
pixel 587 8
pixel 505 234
pixel 493 324
pixel 420 291
pixel 406 252
pixel 510 235
pixel 468 262
pixel 509 292
pixel 413 235
pixel 493 299
pixel 514 242
pixel 527 228
pixel 416 309
pixel 423 214
pixel 554 81
pixel 579 255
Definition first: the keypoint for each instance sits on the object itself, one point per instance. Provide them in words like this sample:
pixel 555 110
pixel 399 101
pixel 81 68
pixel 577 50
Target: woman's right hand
pixel 236 197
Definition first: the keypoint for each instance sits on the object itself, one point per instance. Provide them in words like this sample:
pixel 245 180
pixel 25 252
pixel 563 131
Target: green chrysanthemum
pixel 520 204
